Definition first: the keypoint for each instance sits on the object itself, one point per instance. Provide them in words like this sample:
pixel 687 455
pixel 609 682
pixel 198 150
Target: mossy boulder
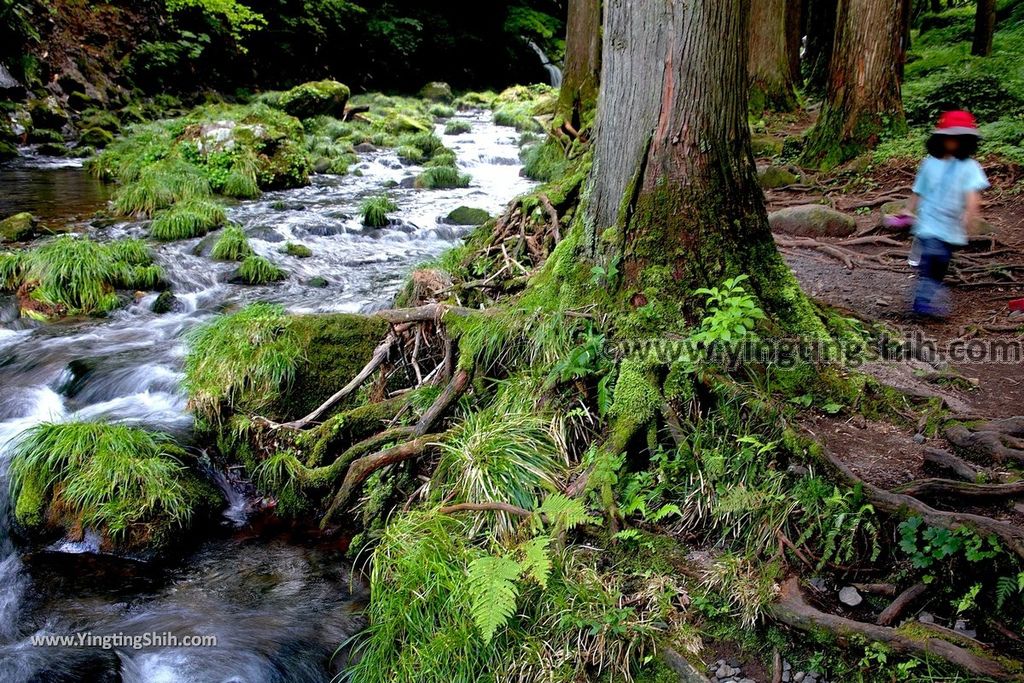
pixel 437 92
pixel 8 150
pixel 766 146
pixel 812 220
pixel 95 137
pixel 465 215
pixel 316 98
pixel 47 112
pixel 772 177
pixel 334 349
pixel 18 228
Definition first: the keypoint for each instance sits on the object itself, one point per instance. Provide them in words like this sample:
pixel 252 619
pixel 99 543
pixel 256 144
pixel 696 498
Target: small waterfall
pixel 554 73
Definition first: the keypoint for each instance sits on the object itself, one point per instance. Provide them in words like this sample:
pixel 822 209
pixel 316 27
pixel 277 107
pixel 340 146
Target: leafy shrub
pixel 241 361
pixel 187 219
pixel 442 177
pixel 256 270
pixel 232 245
pixel 985 95
pixel 375 211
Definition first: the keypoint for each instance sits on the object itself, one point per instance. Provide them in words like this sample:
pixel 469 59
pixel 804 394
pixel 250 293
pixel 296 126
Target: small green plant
pixel 231 245
pixel 442 178
pixel 256 270
pixel 927 545
pixel 375 211
pixel 296 250
pixel 187 219
pixel 458 128
pixel 732 313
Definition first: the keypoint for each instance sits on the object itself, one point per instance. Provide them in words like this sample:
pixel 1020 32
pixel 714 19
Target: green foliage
pixel 545 161
pixel 241 361
pixel 256 270
pixel 492 592
pixel 296 250
pixel 731 313
pixel 238 19
pixel 840 522
pixel 375 211
pixel 76 275
pixel 158 186
pixel 442 178
pixel 187 219
pixel 232 245
pixel 124 480
pixel 458 128
pixel 927 545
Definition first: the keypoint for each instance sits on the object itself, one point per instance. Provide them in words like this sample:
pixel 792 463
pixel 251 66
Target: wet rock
pixel 772 177
pixel 408 183
pixel 265 233
pixel 18 228
pixel 9 85
pixel 316 98
pixel 798 470
pixel 926 618
pixel 766 146
pixel 165 303
pixel 919 438
pixel 812 220
pixel 437 92
pixel 324 230
pixel 53 149
pixel 365 148
pixel 47 112
pixel 818 584
pixel 850 597
pixel 465 215
pixel 961 627
pixel 318 282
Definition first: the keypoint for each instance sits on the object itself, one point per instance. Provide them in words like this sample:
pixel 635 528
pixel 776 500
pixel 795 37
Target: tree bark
pixel 864 99
pixel 821 32
pixel 795 15
pixel 984 28
pixel 771 76
pixel 582 71
pixel 674 194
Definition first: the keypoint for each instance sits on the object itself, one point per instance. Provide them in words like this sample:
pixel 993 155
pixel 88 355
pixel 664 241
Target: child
pixel 946 200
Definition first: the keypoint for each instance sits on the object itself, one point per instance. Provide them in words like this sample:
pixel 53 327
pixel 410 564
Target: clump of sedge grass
pixel 375 211
pixel 442 178
pixel 458 128
pixel 232 245
pixel 241 361
pixel 158 186
pixel 116 478
pixel 187 219
pixel 256 270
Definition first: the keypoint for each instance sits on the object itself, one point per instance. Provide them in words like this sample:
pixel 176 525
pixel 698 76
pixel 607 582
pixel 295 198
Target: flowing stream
pixel 278 607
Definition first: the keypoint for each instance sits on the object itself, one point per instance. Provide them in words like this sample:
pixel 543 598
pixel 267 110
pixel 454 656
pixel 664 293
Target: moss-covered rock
pixel 772 177
pixel 812 220
pixel 437 92
pixel 18 228
pixel 316 98
pixel 47 112
pixel 95 137
pixel 766 146
pixel 465 215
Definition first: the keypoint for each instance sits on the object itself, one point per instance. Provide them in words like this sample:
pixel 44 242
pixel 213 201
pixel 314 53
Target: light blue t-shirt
pixel 942 185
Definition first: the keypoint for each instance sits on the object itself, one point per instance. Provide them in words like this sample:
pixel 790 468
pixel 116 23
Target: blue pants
pixel 931 297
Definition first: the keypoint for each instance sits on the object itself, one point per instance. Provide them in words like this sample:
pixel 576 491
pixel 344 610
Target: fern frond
pixel 536 561
pixel 492 592
pixel 565 513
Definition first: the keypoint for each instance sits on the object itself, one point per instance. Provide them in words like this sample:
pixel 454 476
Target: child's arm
pixel 972 210
pixel 912 203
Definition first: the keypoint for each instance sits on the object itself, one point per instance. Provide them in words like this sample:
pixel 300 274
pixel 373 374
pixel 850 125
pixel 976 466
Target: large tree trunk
pixel 864 99
pixel 984 28
pixel 771 76
pixel 821 32
pixel 795 15
pixel 674 193
pixel 582 61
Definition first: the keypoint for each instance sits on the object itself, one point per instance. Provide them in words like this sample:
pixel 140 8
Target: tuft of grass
pixel 375 211
pixel 188 219
pixel 410 154
pixel 296 250
pixel 158 186
pixel 241 361
pixel 12 264
pixel 442 178
pixel 256 270
pixel 441 111
pixel 544 162
pixel 458 128
pixel 232 245
pixel 77 275
pixel 123 480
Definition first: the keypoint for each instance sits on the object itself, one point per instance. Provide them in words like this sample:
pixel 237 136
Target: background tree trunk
pixel 674 191
pixel 984 28
pixel 864 98
pixel 582 61
pixel 821 32
pixel 795 15
pixel 771 76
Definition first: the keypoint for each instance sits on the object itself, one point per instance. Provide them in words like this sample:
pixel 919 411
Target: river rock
pixel 316 98
pixel 365 148
pixel 47 112
pixel 265 233
pixel 772 177
pixel 766 146
pixel 165 303
pixel 812 220
pixel 465 215
pixel 95 137
pixel 9 85
pixel 437 92
pixel 18 228
pixel 318 282
pixel 850 597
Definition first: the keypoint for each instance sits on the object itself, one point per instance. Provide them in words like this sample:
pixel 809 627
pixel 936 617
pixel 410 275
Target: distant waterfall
pixel 554 73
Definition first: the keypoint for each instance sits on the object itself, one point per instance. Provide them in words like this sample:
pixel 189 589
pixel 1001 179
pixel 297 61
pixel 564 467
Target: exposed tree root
pixel 960 489
pixel 897 607
pixel 897 503
pixel 792 609
pixel 998 440
pixel 486 507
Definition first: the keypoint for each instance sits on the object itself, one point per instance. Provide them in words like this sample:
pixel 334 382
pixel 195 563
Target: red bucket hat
pixel 957 123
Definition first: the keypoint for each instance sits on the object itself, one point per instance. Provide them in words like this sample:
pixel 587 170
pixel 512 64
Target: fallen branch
pixel 423 314
pixel 896 608
pixel 793 610
pixel 486 507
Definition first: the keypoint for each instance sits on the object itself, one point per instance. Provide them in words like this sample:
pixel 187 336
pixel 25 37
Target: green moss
pixel 465 215
pixel 637 397
pixel 296 250
pixel 346 428
pixel 315 99
pixel 18 228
